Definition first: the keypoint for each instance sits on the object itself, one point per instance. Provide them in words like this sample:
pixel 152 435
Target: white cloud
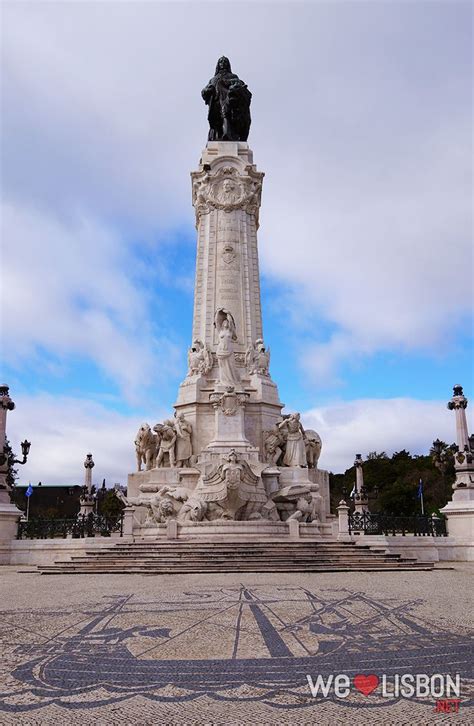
pixel 64 429
pixel 361 121
pixel 71 290
pixel 357 427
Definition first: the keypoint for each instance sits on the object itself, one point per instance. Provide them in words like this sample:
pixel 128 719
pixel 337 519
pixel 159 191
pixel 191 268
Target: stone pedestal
pixel 229 420
pixel 87 505
pixel 9 518
pixel 343 522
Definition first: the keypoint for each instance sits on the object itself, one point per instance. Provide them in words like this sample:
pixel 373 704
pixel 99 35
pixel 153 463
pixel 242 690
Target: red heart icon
pixel 366 684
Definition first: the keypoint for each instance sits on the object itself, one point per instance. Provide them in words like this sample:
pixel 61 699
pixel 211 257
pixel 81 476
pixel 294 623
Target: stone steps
pixel 173 557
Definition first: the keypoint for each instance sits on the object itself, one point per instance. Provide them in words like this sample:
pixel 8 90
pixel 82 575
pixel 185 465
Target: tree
pixel 397 478
pixel 12 473
pixel 111 506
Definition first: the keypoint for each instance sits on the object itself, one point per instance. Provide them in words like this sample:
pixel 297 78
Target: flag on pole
pixel 420 489
pixel 353 491
pixel 29 491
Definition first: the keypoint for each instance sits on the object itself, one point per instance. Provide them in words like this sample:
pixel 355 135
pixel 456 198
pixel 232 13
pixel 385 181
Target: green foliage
pixel 111 506
pixel 12 473
pixel 397 479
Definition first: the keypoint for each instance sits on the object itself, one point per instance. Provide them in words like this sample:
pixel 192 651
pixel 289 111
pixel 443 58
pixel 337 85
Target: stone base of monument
pixel 460 515
pixel 9 518
pixel 179 486
pixel 235 531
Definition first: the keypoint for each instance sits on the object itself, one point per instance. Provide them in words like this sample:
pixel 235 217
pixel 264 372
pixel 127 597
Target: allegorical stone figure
pixel 228 99
pixel 228 373
pixel 168 440
pixel 257 358
pixel 295 450
pixel 199 358
pixel 184 448
pixel 272 443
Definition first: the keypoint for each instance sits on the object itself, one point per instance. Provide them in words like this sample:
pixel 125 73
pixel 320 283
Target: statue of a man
pixel 228 99
pixel 167 443
pixel 184 447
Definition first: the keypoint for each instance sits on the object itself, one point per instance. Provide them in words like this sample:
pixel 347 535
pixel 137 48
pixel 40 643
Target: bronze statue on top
pixel 228 99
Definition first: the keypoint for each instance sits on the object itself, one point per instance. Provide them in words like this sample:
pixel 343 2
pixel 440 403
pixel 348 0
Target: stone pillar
pixel 226 192
pixel 87 499
pixel 128 514
pixel 343 521
pixel 172 529
pixel 226 197
pixel 294 529
pixel 460 511
pixel 6 404
pixel 458 404
pixel 9 513
pixel 361 501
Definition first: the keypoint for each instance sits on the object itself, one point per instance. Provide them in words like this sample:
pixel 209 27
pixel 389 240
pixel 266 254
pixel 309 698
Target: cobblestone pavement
pixel 230 649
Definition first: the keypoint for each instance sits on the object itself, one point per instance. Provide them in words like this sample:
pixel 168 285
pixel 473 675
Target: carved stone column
pixel 343 522
pixel 226 192
pixel 458 404
pixel 460 511
pixel 361 501
pixel 87 499
pixel 226 198
pixel 9 513
pixel 6 404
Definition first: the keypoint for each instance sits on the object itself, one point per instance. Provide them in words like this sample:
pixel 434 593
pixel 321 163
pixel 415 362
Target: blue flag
pixel 420 489
pixel 29 491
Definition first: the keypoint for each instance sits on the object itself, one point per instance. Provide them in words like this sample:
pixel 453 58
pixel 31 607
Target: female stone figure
pixel 295 452
pixel 228 373
pixel 184 448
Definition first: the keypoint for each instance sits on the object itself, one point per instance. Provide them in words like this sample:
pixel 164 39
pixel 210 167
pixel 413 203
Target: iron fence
pixel 420 526
pixel 84 525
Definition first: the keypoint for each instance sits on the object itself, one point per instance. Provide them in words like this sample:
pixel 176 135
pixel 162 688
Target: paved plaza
pixel 229 649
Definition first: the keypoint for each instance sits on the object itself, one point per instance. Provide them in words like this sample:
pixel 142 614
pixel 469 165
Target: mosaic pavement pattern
pixel 231 647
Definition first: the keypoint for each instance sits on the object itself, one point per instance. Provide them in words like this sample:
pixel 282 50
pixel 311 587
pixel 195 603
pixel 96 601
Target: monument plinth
pixel 242 459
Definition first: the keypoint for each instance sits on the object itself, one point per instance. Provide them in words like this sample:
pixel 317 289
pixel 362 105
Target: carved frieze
pixel 228 190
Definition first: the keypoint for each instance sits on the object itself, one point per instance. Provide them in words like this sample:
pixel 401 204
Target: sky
pixel 361 121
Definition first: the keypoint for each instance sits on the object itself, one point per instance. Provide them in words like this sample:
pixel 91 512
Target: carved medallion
pixel 228 255
pixel 228 190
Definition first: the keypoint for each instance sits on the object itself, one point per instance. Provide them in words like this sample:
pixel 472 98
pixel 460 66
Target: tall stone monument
pixel 227 453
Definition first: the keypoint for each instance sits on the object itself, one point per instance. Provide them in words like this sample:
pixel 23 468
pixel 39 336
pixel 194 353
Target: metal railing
pixel 84 525
pixel 420 526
